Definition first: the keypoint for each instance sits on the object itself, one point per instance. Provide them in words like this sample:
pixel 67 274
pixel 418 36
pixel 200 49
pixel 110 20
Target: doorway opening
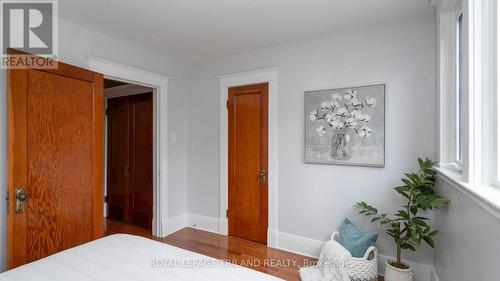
pixel 129 154
pixel 122 73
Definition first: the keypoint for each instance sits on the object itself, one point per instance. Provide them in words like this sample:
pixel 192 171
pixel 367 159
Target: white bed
pixel 124 257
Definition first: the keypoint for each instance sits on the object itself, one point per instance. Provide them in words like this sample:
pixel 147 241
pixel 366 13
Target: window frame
pixel 449 90
pixel 481 76
pixel 497 98
pixel 459 134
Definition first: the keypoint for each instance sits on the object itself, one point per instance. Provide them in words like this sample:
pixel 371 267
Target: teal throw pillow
pixel 355 240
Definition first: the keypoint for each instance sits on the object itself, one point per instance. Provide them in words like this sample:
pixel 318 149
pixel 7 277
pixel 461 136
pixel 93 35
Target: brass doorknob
pixel 21 197
pixel 21 194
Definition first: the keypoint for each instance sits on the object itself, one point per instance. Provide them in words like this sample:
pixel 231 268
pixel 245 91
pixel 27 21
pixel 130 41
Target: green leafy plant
pixel 406 227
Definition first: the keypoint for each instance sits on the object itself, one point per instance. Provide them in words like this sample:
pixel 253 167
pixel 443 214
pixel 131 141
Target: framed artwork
pixel 345 126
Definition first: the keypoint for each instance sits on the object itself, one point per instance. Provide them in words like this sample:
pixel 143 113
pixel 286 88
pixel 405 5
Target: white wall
pixel 75 42
pixel 468 246
pixel 314 199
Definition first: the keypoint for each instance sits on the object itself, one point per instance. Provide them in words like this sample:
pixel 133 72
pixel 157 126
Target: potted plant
pixel 406 227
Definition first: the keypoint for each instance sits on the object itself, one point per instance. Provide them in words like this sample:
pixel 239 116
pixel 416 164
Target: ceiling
pixel 204 29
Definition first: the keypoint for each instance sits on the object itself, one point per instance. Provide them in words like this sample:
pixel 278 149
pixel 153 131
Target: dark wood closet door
pixel 130 159
pixel 118 157
pixel 141 187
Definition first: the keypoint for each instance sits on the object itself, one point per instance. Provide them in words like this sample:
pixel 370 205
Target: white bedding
pixel 124 257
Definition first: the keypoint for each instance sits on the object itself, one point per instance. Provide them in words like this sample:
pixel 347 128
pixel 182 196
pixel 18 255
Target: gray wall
pixel 314 199
pixel 468 244
pixel 75 42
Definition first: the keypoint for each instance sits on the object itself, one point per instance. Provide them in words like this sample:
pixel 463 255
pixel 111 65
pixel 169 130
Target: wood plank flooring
pixel 279 263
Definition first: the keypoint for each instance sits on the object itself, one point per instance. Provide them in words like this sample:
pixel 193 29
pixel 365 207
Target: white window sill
pixel 488 197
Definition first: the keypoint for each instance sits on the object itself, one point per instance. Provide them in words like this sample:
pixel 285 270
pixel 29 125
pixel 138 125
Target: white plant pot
pixel 397 274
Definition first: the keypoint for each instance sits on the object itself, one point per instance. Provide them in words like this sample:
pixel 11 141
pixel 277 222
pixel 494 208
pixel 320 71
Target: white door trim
pixel 129 74
pixel 270 76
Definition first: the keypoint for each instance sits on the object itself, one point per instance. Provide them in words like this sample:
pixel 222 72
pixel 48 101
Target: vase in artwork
pixel 341 145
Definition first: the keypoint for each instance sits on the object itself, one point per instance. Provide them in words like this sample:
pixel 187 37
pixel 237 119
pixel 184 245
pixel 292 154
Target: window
pixel 460 87
pixel 468 99
pixel 452 92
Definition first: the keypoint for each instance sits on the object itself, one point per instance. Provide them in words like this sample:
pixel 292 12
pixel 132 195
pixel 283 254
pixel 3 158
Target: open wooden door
pixel 55 160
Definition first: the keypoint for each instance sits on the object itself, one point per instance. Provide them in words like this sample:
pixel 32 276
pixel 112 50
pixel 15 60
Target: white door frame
pixel 129 74
pixel 270 76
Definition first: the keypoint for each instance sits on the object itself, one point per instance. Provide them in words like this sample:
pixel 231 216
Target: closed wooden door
pixel 130 159
pixel 247 167
pixel 55 160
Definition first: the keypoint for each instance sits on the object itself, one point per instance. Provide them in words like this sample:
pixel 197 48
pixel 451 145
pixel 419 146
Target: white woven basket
pixel 361 269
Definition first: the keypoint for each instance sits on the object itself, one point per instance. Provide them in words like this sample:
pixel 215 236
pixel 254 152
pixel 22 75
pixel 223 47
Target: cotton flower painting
pixel 345 126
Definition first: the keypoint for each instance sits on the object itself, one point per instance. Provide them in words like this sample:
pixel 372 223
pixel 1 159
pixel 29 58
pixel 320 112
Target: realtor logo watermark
pixel 30 27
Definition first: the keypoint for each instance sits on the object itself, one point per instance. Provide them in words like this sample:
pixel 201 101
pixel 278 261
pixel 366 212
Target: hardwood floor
pixel 115 227
pixel 279 263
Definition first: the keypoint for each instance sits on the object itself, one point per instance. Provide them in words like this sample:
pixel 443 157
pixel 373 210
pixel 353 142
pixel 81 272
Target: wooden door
pixel 118 114
pixel 130 159
pixel 56 157
pixel 247 167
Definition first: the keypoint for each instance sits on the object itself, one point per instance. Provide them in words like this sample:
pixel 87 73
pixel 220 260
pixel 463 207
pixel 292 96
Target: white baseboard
pixel 297 244
pixel 272 238
pixel 174 224
pixel 203 222
pixel 434 276
pixel 190 220
pixel 288 242
pixel 223 226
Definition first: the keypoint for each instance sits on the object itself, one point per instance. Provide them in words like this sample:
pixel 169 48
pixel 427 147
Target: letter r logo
pixel 28 26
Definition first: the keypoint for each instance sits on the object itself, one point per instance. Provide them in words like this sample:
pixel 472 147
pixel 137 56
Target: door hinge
pixel 227 213
pixel 227 104
pixel 7 199
pixel 107 111
pixel 106 199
